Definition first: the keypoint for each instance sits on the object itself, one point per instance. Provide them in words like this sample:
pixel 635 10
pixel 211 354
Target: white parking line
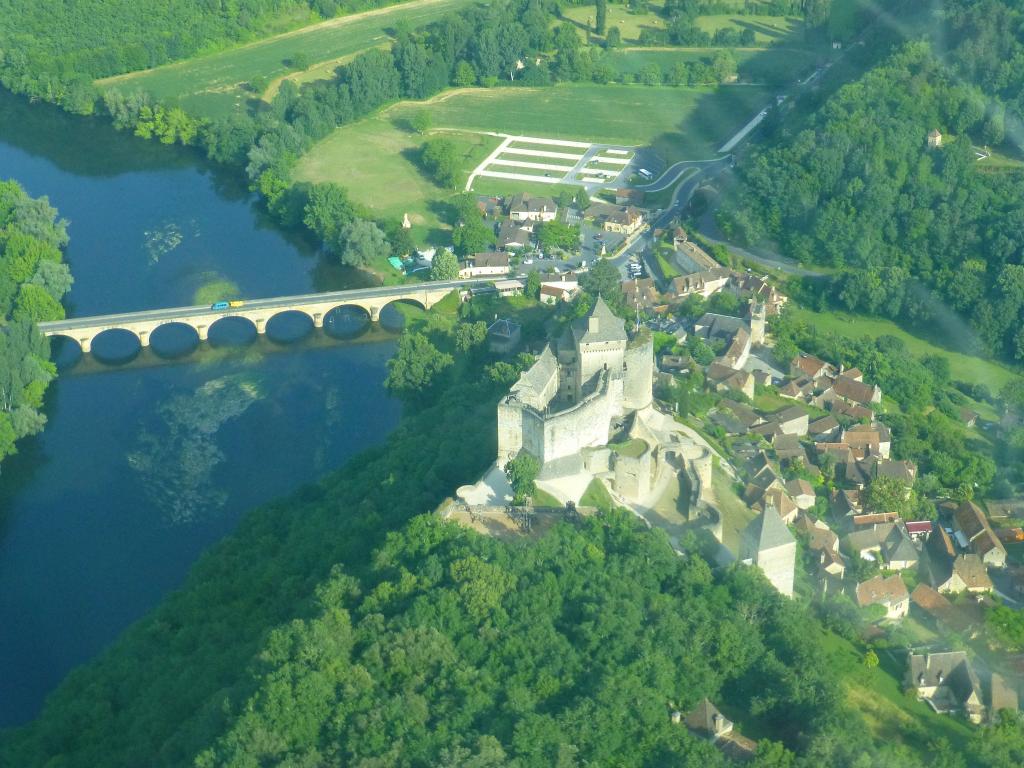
pixel 525 164
pixel 520 177
pixel 552 142
pixel 540 153
pixel 617 151
pixel 611 160
pixel 476 171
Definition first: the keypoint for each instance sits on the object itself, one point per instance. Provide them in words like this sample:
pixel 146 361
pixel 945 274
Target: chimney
pixel 938 678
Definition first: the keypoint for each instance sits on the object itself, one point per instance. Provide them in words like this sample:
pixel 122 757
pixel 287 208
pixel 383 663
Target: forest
pixel 910 232
pixel 33 279
pixel 343 626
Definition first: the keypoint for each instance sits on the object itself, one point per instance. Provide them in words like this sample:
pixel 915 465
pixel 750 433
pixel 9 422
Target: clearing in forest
pixel 217 84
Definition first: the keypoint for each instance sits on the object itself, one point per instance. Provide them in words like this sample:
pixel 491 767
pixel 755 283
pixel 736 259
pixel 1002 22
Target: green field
pixel 374 160
pixel 680 123
pixel 630 24
pixel 215 85
pixel 767 29
pixel 962 367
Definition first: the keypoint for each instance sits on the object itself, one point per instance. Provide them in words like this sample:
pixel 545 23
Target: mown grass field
pixel 374 159
pixel 962 367
pixel 215 85
pixel 630 24
pixel 680 123
pixel 767 29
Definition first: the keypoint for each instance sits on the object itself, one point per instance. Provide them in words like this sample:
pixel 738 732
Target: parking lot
pixel 556 161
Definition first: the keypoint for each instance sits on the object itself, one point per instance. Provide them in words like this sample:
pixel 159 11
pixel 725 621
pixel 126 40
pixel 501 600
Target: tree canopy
pixel 33 278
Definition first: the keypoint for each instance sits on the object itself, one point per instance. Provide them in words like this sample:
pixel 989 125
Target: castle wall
pixel 584 425
pixel 510 431
pixel 633 475
pixel 638 384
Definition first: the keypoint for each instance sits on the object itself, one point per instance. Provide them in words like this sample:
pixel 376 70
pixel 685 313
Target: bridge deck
pixel 280 302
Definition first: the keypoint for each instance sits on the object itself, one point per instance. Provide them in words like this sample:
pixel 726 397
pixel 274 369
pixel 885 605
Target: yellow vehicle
pixel 234 304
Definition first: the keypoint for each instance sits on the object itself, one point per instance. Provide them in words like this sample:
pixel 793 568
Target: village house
pixel 852 391
pixel 484 265
pixel 706 283
pixel 625 220
pixel 890 592
pixel 973 532
pixel 504 336
pixel 966 573
pixel 934 604
pixel 947 682
pixel 643 293
pixel 823 429
pixel 564 288
pixel 802 493
pixel 708 723
pixel 810 367
pixel 512 237
pixel 724 379
pixel 526 207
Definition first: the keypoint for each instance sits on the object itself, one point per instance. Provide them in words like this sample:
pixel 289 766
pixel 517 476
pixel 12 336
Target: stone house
pixel 708 723
pixel 504 336
pixel 810 367
pixel 946 681
pixel 792 421
pixel 512 237
pixel 623 219
pixel 851 390
pixel 526 207
pixel 484 265
pixel 891 593
pixel 823 429
pixel 973 532
pixel 937 606
pixel 934 138
pixel 802 493
pixel 966 573
pixel 724 378
pixel 706 283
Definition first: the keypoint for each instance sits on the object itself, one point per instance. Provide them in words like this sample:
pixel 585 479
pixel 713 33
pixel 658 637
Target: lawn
pixel 962 367
pixel 629 23
pixel 374 160
pixel 597 495
pixel 767 29
pixel 215 85
pixel 680 123
pixel 736 515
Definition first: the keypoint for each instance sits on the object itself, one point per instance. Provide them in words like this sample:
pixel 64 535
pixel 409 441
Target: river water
pixel 144 465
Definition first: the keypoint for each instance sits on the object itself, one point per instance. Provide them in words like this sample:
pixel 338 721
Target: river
pixel 143 466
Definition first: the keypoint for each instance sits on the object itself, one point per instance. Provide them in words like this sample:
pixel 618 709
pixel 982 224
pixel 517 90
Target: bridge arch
pixel 174 338
pixel 124 343
pixel 235 327
pixel 285 326
pixel 390 314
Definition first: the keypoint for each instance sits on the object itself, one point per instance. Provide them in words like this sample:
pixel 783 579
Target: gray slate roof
pixel 609 327
pixel 767 531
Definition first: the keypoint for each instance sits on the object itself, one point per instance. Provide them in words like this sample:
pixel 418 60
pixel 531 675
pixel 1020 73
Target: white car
pixel 527 261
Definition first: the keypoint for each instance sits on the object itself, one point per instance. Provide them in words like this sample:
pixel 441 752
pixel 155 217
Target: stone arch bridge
pixel 258 311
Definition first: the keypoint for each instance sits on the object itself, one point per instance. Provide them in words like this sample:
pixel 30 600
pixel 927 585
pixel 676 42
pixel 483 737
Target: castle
pixel 576 392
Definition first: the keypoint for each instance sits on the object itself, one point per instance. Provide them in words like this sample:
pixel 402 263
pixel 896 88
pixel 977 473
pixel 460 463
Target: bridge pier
pixel 318 320
pixel 203 332
pixel 261 325
pixel 143 338
pixel 86 345
pixel 374 314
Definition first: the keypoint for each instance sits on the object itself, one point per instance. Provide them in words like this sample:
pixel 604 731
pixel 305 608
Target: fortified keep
pixel 569 399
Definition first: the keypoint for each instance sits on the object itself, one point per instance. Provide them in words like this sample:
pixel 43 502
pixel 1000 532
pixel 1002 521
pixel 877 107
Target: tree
pixel 890 494
pixel 470 335
pixel 870 659
pixel 415 366
pixel 555 234
pixel 421 121
pixel 473 236
pixel 522 474
pixel 533 285
pixel 465 75
pixel 444 266
pixel 602 280
pixel 299 60
pixel 440 157
pixel 613 39
pixel 362 243
pixel 601 16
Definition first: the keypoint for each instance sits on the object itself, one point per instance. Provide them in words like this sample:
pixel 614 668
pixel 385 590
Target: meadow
pixel 216 85
pixel 963 367
pixel 374 159
pixel 680 123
